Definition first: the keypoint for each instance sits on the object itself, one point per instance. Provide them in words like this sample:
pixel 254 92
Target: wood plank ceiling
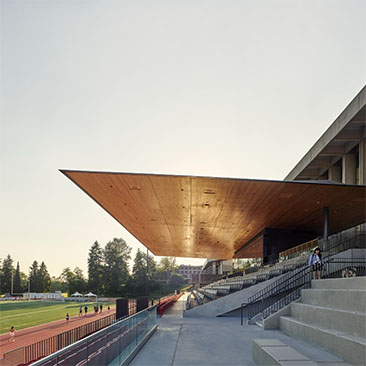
pixel 205 217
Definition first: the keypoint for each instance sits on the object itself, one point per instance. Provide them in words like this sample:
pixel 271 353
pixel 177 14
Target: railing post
pixel 87 353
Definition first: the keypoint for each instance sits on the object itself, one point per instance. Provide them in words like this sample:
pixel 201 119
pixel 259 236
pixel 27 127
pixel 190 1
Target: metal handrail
pixel 288 288
pixel 284 278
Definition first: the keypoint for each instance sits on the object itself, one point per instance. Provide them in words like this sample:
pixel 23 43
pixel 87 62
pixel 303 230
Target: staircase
pixel 332 315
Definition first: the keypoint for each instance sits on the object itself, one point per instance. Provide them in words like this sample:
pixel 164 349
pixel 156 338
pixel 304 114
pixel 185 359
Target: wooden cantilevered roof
pixel 186 216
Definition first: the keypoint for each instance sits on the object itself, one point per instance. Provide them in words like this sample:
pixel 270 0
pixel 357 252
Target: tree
pixel 6 274
pixel 34 278
pixel 95 268
pixel 23 282
pixel 139 270
pixel 57 284
pixel 44 278
pixel 67 276
pixel 79 280
pixel 168 264
pixel 75 280
pixel 116 257
pixel 139 279
pixel 176 281
pixel 17 281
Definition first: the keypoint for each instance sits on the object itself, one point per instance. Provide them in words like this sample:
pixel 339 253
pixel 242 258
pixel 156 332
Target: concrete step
pixel 350 348
pixel 274 352
pixel 351 322
pixel 351 300
pixel 352 283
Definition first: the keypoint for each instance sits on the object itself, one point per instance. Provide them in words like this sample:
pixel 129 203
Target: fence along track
pixel 53 344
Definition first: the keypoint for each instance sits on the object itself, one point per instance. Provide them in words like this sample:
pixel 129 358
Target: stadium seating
pixel 252 276
pixel 332 315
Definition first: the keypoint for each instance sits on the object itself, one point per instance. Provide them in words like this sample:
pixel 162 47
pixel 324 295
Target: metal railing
pixel 298 249
pixel 343 241
pixel 335 244
pixel 288 288
pixel 111 345
pixel 59 341
pixel 53 344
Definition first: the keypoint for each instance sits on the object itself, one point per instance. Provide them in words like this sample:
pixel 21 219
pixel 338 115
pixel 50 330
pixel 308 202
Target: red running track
pixel 32 335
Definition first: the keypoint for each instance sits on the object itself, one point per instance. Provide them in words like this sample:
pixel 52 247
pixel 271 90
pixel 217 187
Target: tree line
pixel 108 274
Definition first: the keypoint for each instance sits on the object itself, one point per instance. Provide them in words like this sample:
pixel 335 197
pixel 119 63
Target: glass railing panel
pixel 110 346
pixel 96 346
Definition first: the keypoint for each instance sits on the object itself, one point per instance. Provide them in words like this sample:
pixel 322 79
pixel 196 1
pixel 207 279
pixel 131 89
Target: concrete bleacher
pixel 275 352
pixel 332 315
pixel 226 286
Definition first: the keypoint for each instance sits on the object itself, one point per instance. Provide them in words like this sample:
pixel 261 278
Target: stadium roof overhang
pixel 204 217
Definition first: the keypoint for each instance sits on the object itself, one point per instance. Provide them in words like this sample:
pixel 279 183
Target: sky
pixel 219 88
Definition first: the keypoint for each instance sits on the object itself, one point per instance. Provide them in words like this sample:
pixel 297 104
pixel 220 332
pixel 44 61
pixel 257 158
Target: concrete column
pixel 220 268
pixel 326 222
pixel 349 169
pixel 335 173
pixel 362 159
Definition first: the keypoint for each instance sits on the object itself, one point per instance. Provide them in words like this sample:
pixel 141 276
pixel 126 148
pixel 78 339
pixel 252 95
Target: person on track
pixel 86 310
pixel 101 307
pixel 12 334
pixel 67 317
pixel 81 311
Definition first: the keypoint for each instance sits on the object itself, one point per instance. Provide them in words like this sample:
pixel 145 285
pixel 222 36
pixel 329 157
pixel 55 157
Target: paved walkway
pixel 216 341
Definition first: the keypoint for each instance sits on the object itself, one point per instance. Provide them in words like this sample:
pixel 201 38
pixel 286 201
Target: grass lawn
pixel 24 314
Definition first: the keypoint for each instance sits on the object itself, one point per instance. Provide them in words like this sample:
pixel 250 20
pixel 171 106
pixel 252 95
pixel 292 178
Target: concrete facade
pixel 362 159
pixel 216 267
pixel 349 168
pixel 340 150
pixel 188 271
pixel 335 173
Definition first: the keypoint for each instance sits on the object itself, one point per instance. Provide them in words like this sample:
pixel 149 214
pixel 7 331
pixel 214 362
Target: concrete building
pixel 187 271
pixel 339 155
pixel 216 267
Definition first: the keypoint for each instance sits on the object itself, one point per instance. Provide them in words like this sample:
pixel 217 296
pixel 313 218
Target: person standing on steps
pixel 316 263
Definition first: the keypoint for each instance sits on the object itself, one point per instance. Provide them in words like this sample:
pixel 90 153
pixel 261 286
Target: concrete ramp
pixel 228 305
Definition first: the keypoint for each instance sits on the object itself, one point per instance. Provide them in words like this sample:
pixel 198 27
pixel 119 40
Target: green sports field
pixel 24 314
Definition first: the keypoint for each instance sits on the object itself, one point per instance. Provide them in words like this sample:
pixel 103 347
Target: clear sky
pixel 219 88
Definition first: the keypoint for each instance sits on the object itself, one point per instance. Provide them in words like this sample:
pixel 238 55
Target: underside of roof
pixel 206 217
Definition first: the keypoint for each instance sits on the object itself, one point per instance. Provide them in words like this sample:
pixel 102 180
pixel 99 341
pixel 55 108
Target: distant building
pixel 217 267
pixel 188 271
